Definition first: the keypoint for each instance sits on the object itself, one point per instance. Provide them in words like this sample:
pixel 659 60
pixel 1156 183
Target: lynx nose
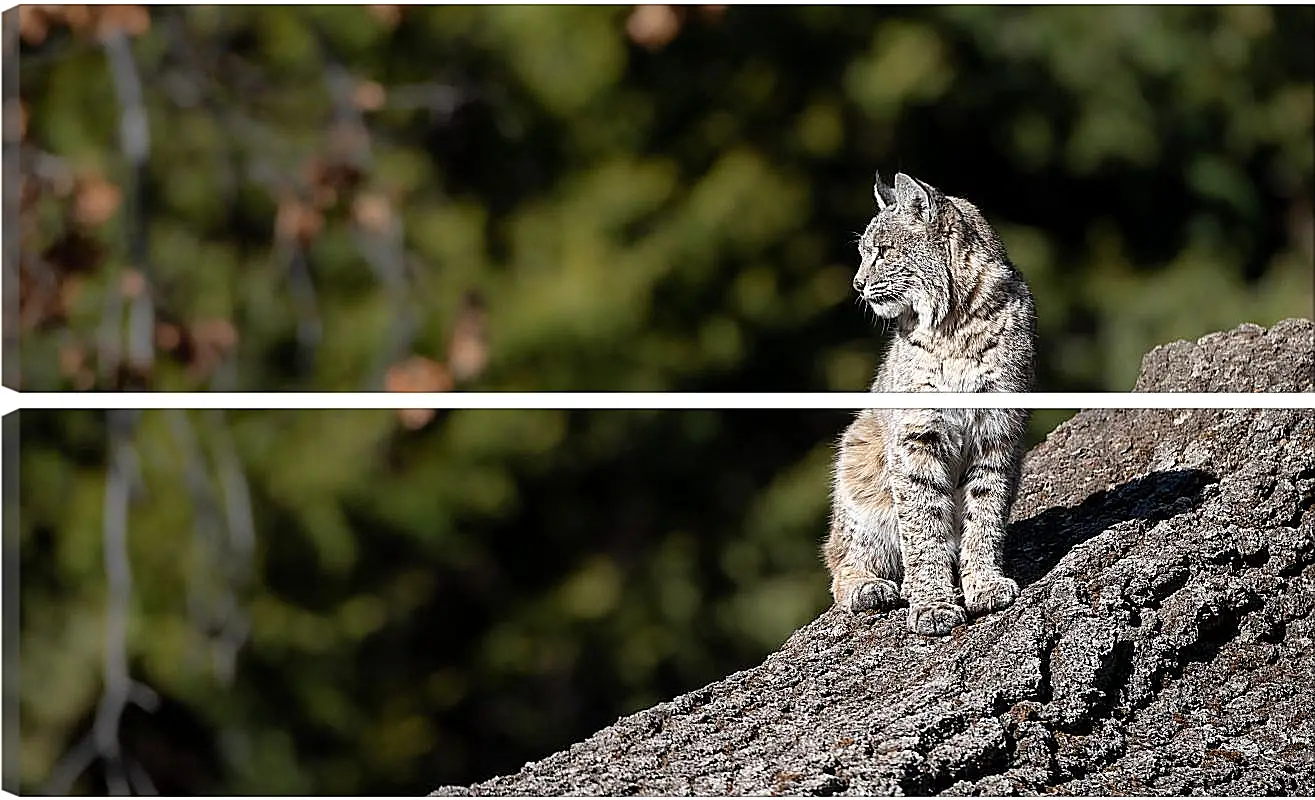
pixel 859 283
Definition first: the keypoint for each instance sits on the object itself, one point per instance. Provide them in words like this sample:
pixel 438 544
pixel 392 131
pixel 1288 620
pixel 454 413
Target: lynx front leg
pixel 989 486
pixel 856 582
pixel 862 550
pixel 924 503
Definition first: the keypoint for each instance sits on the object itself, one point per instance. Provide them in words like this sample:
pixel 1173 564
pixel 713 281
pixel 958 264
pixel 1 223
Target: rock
pixel 1164 641
pixel 1245 359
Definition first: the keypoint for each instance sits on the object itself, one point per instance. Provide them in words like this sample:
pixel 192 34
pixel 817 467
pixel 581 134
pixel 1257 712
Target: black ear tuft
pixel 917 196
pixel 885 195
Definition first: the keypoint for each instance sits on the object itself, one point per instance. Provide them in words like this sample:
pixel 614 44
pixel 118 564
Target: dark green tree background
pixel 541 198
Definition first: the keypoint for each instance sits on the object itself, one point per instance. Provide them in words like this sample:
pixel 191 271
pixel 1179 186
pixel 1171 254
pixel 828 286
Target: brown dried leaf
pixel 653 26
pixel 415 418
pixel 468 349
pixel 388 16
pixel 130 20
pixel 132 283
pixel 168 336
pixel 33 23
pixel 214 332
pixel 373 212
pixel 72 359
pixel 95 200
pixel 328 177
pixel 369 96
pixel 297 222
pixel 78 18
pixel 212 339
pixel 417 374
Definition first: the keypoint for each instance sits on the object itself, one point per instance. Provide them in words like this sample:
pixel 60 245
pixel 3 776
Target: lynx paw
pixel 936 618
pixel 877 594
pixel 989 594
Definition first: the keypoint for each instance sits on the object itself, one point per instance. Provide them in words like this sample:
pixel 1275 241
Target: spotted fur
pixel 921 497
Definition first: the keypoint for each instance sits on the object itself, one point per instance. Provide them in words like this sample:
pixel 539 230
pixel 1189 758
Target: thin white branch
pixel 240 554
pixel 134 132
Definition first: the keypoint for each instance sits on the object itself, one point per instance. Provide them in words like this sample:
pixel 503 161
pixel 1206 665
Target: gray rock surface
pixel 1248 358
pixel 1164 642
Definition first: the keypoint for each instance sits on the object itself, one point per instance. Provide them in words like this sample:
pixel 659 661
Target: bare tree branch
pixel 102 741
pixel 378 231
pixel 118 576
pixel 257 154
pixel 72 764
pixel 134 132
pixel 206 523
pixel 138 778
pixel 225 537
pixel 135 141
pixel 241 544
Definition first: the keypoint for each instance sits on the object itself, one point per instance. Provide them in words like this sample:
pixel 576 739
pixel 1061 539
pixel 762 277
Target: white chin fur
pixel 888 310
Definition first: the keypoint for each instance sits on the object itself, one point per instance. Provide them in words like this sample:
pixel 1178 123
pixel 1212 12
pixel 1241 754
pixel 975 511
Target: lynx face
pixel 903 262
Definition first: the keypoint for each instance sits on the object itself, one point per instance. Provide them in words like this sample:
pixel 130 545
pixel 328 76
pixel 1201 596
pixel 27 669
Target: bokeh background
pixel 533 198
pixel 641 198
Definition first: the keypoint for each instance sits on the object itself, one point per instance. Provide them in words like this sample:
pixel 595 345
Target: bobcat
pixel 919 493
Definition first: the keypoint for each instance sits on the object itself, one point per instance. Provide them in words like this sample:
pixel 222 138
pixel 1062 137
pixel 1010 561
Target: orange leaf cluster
pixel 16 116
pixel 95 200
pixel 297 221
pixel 212 340
pixel 202 345
pixel 373 212
pixel 36 21
pixel 417 374
pixel 45 299
pixel 73 364
pixel 467 356
pixel 369 96
pixel 653 27
pixel 468 349
pixel 49 279
pixel 388 16
pixel 329 178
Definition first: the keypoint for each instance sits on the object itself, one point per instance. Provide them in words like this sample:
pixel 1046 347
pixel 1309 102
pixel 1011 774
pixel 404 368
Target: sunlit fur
pixel 922 497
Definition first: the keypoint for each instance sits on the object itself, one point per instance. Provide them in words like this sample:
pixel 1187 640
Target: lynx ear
pixel 884 194
pixel 917 196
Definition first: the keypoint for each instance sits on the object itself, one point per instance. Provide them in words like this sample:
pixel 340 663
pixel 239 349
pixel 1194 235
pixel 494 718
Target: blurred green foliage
pixel 584 198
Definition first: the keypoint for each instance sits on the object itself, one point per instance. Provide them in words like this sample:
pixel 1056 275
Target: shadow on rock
pixel 1036 544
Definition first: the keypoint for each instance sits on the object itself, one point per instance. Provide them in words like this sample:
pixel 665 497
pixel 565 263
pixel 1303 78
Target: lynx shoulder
pixel 921 498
